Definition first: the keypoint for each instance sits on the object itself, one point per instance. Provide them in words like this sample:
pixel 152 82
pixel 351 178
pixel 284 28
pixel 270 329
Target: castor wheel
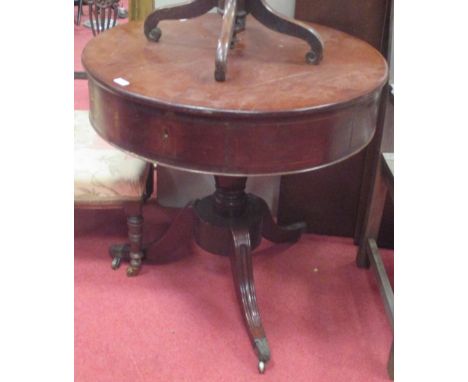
pixel 312 58
pixel 132 271
pixel 116 263
pixel 263 352
pixel 155 34
pixel 261 367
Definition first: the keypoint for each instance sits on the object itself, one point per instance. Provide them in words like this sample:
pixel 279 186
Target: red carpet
pixel 181 321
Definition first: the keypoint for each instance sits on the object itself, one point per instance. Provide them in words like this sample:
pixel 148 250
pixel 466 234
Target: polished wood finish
pixel 135 237
pixel 133 251
pixel 333 200
pixel 242 270
pixel 230 207
pixel 162 249
pixel 179 234
pixel 173 113
pixel 232 223
pixel 274 116
pixel 226 40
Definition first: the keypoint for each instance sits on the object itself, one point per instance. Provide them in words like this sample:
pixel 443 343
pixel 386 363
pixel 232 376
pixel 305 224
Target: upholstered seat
pixel 106 177
pixel 104 174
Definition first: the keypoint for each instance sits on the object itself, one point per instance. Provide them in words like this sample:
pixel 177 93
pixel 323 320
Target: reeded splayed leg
pixel 187 10
pixel 268 17
pixel 242 270
pixel 225 40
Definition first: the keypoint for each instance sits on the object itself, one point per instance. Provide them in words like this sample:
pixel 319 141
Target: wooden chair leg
pixel 132 251
pixel 135 237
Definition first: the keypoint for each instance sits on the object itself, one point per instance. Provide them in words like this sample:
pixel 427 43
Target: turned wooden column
pixel 230 197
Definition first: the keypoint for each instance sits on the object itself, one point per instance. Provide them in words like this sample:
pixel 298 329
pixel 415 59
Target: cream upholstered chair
pixel 106 177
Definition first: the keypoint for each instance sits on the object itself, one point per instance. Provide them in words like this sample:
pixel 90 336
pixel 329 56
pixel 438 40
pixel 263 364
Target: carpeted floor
pixel 181 322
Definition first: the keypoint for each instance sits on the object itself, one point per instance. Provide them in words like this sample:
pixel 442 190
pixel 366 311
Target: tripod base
pixel 234 14
pixel 229 223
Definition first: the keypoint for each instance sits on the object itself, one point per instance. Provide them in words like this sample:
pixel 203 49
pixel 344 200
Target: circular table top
pixel 275 114
pixel 267 72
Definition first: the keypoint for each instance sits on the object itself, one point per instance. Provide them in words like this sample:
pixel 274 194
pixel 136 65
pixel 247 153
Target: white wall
pixel 176 188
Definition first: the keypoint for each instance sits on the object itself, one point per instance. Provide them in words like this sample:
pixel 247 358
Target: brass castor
pixel 261 367
pixel 132 271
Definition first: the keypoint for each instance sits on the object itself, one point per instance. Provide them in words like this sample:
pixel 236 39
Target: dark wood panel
pixel 256 126
pixel 326 199
pixel 332 200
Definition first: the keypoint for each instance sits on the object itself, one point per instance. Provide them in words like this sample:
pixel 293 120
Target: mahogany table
pixel 274 115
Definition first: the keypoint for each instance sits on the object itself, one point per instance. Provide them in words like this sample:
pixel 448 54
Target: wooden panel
pixel 327 199
pixel 331 200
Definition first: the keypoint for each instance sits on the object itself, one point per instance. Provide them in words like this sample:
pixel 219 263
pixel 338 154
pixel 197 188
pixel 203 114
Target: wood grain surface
pixel 274 115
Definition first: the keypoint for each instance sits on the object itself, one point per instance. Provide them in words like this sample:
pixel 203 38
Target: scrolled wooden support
pixel 279 23
pixel 187 10
pixel 276 233
pixel 234 15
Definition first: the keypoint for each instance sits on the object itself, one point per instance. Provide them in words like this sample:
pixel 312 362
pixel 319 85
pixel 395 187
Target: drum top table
pixel 274 114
